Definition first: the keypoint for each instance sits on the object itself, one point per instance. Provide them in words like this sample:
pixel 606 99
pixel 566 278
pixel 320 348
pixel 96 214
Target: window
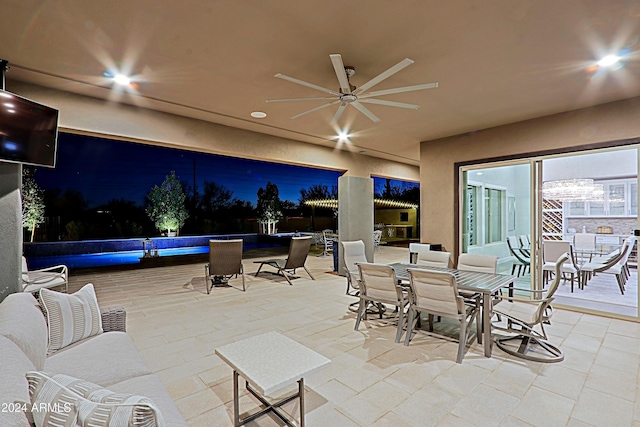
pixel 486 214
pixel 493 215
pixel 620 199
pixel 404 216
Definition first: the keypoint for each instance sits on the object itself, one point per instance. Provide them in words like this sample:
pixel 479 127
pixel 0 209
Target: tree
pixel 166 206
pixel 32 202
pixel 269 212
pixel 215 198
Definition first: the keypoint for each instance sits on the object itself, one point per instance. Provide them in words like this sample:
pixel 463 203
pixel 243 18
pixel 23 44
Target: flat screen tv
pixel 28 131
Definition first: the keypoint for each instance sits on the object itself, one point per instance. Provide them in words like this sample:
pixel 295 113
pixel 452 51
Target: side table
pixel 268 363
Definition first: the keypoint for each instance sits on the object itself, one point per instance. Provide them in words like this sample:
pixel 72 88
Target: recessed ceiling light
pixel 258 114
pixel 121 79
pixel 609 60
pixel 343 136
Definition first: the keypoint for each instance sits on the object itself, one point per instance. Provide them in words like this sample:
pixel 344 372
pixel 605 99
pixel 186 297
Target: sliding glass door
pixel 587 201
pixel 496 215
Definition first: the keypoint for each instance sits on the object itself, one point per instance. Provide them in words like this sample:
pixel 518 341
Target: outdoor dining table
pixel 485 283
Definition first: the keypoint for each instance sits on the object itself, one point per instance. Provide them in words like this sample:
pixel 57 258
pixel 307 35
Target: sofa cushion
pixel 103 359
pixel 152 387
pixel 96 406
pixel 21 321
pixel 14 364
pixel 70 318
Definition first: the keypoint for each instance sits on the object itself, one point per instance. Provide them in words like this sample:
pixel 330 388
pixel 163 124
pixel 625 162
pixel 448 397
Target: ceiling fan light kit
pixel 348 94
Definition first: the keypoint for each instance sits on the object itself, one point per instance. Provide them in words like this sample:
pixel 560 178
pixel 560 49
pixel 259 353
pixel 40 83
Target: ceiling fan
pixel 348 94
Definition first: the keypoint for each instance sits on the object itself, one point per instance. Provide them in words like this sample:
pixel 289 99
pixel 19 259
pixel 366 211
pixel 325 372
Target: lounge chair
pixel 225 261
pixel 49 277
pixel 298 251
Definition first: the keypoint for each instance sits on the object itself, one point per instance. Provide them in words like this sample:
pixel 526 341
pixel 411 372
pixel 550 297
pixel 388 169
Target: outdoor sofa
pixel 107 359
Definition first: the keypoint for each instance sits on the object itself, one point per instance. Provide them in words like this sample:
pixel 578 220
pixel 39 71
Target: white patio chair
pixel 584 245
pixel 50 277
pixel 615 265
pixel 379 285
pixel 478 262
pixel 551 251
pixel 377 240
pixel 434 259
pixel 353 253
pixel 523 316
pixel 436 293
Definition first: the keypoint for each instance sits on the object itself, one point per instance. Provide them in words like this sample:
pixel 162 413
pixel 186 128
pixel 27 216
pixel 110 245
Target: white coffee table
pixel 268 363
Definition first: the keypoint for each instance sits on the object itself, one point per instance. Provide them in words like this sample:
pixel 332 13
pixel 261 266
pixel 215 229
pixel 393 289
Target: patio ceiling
pixel 496 61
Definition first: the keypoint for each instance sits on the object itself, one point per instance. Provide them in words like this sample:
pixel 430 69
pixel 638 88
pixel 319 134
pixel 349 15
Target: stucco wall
pixel 616 121
pixel 85 114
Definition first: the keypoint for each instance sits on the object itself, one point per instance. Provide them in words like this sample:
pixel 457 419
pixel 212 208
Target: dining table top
pixel 465 280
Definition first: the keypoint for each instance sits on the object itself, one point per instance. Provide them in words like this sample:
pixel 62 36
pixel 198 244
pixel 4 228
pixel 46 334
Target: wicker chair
pixel 298 252
pixel 225 261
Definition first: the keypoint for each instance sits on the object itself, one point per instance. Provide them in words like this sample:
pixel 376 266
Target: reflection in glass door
pixel 496 216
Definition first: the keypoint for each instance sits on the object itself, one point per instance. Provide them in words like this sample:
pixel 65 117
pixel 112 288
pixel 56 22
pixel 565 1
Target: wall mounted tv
pixel 28 131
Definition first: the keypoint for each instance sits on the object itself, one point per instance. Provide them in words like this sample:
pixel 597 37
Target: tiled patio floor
pixel 372 380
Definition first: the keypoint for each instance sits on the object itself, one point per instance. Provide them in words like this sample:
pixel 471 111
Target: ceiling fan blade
pixel 399 90
pixel 364 110
pixel 338 113
pixel 338 66
pixel 307 84
pixel 384 75
pixel 389 103
pixel 328 104
pixel 300 99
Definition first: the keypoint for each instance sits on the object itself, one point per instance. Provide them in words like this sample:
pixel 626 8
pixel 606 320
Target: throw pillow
pixel 70 318
pixel 51 404
pixel 96 406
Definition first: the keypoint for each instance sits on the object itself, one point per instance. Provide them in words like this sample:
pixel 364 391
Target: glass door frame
pixel 535 189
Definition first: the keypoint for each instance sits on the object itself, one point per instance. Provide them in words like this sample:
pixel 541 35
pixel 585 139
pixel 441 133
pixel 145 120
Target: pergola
pixel 378 203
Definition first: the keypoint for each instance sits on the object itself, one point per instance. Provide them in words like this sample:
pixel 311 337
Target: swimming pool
pixel 119 252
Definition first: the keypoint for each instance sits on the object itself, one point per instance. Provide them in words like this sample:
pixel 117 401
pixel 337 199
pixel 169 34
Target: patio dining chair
pixel 433 259
pixel 377 240
pixel 616 265
pixel 50 277
pixel 225 261
pixel 523 258
pixel 551 251
pixel 522 316
pixel 327 242
pixel 584 245
pixel 379 285
pixel 298 252
pixel 436 293
pixel 478 263
pixel 352 253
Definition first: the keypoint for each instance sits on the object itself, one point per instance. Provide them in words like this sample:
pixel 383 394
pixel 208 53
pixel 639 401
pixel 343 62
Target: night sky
pixel 103 170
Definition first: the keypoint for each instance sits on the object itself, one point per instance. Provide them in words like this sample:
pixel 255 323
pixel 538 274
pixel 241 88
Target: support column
pixel 10 228
pixel 355 214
